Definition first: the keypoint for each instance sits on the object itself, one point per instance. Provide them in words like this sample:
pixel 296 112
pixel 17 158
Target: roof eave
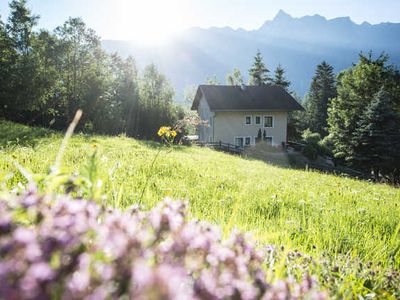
pixel 196 100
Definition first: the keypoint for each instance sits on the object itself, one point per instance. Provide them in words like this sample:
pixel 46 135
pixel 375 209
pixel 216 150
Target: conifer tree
pixel 280 78
pixel 356 89
pixel 259 72
pixel 377 138
pixel 322 90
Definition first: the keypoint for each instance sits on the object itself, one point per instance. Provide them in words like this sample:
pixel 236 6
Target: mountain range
pixel 298 44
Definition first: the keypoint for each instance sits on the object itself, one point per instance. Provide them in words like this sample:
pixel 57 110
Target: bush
pixel 316 146
pixel 310 151
pixel 61 248
pixel 312 138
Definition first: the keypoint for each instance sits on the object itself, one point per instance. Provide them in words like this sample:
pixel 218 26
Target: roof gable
pixel 236 98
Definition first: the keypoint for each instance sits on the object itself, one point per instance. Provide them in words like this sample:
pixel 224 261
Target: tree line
pixel 45 77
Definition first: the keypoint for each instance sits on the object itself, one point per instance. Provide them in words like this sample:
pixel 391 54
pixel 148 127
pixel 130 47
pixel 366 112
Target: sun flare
pixel 150 21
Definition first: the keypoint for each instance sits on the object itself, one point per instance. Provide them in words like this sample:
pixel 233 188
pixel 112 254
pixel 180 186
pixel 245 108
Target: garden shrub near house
pixel 314 145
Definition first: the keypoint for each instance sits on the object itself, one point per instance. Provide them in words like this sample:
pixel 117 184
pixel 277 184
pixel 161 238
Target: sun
pixel 150 21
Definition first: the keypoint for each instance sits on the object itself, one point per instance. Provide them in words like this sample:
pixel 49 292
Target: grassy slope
pixel 309 211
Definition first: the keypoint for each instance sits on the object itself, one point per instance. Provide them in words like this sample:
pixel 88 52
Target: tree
pixel 45 77
pixel 280 78
pixel 7 61
pixel 189 93
pixel 83 68
pixel 212 80
pixel 322 90
pixel 20 25
pixel 259 72
pixel 296 122
pixel 377 138
pixel 234 78
pixel 118 108
pixel 356 90
pixel 24 68
pixel 156 102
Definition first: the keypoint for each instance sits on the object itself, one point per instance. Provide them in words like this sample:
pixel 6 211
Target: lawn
pixel 349 227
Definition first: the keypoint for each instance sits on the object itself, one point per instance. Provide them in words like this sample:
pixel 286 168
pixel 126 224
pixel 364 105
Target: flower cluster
pixel 59 247
pixel 166 132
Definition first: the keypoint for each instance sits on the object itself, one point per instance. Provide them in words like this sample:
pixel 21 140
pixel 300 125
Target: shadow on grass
pixel 13 134
pixel 297 161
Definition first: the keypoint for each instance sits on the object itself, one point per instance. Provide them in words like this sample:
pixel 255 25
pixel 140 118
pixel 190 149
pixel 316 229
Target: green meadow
pixel 347 229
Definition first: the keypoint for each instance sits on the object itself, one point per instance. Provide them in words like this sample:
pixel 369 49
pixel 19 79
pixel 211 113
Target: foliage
pixel 297 121
pixel 235 78
pixel 357 90
pixel 350 228
pixel 315 146
pixel 213 80
pixel 259 72
pixel 280 78
pixel 45 77
pixel 322 90
pixel 101 253
pixel 189 94
pixel 377 138
pixel 311 137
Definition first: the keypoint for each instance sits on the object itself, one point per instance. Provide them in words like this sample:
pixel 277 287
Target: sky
pixel 154 20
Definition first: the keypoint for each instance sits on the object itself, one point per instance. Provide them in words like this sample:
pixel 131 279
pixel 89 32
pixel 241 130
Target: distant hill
pixel 299 44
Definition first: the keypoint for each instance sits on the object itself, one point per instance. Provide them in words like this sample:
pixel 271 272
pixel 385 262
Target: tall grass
pixel 345 221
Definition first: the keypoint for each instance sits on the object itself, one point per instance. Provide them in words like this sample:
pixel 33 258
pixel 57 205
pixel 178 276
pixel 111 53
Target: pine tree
pixel 356 89
pixel 322 90
pixel 377 138
pixel 259 72
pixel 280 78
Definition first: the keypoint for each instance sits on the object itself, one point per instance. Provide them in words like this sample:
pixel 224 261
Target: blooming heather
pixel 64 248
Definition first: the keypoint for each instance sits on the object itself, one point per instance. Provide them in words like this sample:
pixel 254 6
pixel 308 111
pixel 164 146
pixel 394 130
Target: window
pixel 268 140
pixel 239 141
pixel 247 141
pixel 248 120
pixel 258 120
pixel 268 121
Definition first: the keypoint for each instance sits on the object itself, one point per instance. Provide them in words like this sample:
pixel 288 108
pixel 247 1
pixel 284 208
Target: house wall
pixel 229 125
pixel 205 132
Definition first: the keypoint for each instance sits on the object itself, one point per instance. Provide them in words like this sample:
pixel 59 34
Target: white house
pixel 238 114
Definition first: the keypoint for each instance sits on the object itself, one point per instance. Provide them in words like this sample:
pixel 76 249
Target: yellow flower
pixel 163 131
pixel 173 133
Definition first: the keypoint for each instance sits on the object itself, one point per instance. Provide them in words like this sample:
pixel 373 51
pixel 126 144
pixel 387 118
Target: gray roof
pixel 248 98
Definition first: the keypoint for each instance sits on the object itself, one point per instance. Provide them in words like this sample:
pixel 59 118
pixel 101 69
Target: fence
pixel 227 147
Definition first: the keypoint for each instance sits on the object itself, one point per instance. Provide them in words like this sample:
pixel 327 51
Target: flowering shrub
pixel 64 248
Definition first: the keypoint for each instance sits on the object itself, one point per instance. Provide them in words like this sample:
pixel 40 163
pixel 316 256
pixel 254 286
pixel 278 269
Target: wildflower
pixel 78 249
pixel 173 133
pixel 163 131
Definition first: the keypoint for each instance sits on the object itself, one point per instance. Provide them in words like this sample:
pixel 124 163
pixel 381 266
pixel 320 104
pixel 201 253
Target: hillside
pixel 299 44
pixel 340 220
